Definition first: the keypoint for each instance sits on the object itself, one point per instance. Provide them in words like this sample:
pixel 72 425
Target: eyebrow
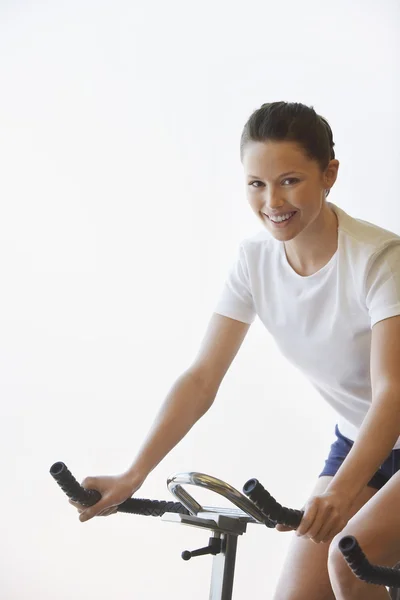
pixel 281 175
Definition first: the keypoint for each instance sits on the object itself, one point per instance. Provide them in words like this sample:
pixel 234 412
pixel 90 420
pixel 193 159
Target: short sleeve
pixel 236 300
pixel 382 284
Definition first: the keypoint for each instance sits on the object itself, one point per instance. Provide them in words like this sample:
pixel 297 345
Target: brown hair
pixel 292 122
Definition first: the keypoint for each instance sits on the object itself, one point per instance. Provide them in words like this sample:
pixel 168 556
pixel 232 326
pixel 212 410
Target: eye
pixel 293 179
pixel 253 182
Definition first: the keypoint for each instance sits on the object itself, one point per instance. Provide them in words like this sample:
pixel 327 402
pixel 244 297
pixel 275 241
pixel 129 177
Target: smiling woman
pixel 326 286
pixel 281 140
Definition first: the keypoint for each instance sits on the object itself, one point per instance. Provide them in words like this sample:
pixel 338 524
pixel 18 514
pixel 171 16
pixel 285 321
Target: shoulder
pixel 364 242
pixel 370 258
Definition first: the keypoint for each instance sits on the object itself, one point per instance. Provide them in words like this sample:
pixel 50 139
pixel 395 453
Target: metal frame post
pixel 223 569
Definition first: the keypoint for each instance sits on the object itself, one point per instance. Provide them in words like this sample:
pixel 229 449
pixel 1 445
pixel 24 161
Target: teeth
pixel 282 218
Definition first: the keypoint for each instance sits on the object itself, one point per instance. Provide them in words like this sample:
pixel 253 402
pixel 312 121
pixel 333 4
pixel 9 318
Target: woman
pixel 327 287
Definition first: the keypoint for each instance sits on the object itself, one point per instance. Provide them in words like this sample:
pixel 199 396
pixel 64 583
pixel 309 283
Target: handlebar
pixel 248 511
pixel 258 507
pixel 137 506
pixel 269 506
pixel 348 545
pixel 188 506
pixel 361 566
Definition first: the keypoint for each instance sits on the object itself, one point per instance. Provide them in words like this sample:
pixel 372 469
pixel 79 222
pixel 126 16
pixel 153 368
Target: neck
pixel 314 246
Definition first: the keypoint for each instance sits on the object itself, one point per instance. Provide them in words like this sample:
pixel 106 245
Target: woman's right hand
pixel 114 490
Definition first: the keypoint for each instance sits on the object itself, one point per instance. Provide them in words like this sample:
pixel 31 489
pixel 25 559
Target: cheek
pixel 255 204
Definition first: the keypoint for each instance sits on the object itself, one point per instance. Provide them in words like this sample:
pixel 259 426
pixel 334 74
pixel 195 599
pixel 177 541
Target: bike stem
pixel 226 525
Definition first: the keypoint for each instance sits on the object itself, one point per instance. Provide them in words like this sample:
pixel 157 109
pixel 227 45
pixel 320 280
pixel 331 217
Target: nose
pixel 273 201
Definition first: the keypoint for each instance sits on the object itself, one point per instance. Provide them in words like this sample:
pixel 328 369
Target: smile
pixel 281 224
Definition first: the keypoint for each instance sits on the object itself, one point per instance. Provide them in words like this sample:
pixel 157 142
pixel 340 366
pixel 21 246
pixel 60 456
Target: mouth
pixel 281 224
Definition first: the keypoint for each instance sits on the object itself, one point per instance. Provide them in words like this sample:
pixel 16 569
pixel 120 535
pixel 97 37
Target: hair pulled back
pixel 291 122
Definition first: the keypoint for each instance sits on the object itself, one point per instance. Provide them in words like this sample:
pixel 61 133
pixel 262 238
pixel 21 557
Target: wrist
pixel 135 476
pixel 339 490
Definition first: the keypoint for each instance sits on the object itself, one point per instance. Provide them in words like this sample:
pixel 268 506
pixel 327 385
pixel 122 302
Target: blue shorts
pixel 340 449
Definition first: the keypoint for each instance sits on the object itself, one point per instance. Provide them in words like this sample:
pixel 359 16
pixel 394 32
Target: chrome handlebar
pixel 247 512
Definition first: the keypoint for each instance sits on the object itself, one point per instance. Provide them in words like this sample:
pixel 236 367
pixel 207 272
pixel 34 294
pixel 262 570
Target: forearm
pixel 186 402
pixel 376 438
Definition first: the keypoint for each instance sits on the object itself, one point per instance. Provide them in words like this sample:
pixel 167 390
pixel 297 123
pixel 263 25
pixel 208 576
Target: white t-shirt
pixel 322 323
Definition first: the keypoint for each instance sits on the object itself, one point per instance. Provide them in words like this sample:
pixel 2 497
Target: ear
pixel 331 173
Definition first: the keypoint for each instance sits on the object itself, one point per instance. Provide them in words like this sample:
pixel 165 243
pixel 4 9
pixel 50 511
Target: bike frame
pixel 226 524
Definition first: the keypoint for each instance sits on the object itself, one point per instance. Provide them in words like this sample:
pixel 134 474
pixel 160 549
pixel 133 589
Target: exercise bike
pixel 255 505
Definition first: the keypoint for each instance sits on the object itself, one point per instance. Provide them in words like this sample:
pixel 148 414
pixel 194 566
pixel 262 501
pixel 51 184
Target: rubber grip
pixel 364 570
pixel 275 512
pixel 348 545
pixel 138 506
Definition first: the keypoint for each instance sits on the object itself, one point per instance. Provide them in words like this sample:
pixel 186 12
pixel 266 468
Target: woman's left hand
pixel 325 515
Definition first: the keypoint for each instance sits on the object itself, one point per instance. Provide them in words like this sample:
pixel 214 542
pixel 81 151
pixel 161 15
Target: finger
pixel 89 483
pixel 336 528
pixel 308 519
pixel 324 535
pixel 112 512
pixel 322 524
pixel 315 534
pixel 280 527
pixel 94 510
pixel 331 526
pixel 327 538
pixel 107 511
pixel 77 505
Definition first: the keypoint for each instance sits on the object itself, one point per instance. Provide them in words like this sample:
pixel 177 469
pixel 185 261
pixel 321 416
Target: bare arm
pixel 192 394
pixel 189 398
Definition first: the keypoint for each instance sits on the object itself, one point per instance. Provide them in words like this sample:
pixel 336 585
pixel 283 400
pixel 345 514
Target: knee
pixel 345 583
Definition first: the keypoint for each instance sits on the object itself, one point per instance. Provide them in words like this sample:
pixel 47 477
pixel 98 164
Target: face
pixel 281 179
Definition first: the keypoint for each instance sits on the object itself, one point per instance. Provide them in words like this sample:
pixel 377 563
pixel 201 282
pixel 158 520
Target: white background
pixel 122 206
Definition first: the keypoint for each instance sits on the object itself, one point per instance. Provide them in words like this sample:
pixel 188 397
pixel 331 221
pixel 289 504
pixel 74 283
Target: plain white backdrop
pixel 122 207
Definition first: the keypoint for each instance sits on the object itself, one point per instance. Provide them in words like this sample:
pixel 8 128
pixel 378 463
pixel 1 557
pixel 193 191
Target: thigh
pixel 377 525
pixel 305 573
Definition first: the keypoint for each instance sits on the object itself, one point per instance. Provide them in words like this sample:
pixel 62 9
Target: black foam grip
pixel 364 570
pixel 348 545
pixel 275 512
pixel 138 506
